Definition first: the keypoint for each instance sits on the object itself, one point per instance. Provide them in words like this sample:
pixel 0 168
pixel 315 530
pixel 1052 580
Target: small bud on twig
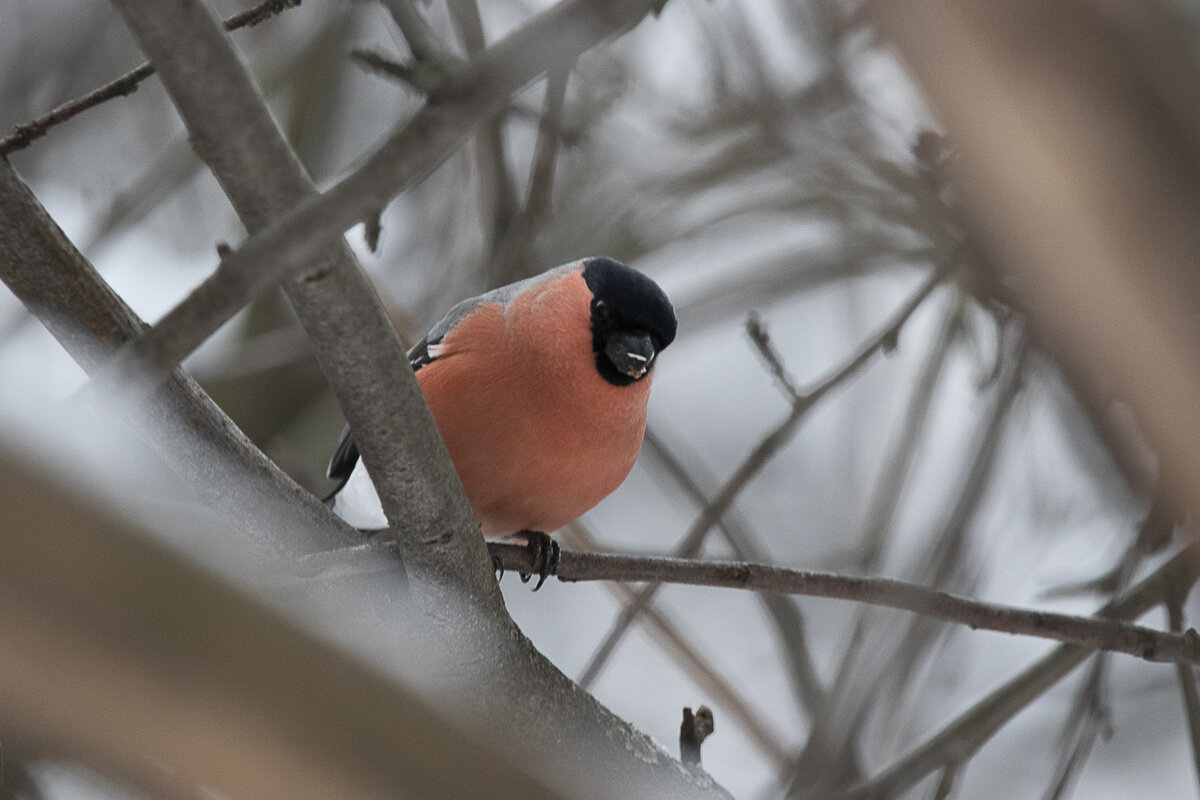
pixel 692 733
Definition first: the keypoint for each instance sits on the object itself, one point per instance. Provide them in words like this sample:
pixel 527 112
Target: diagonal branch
pixel 1088 632
pixel 356 346
pixel 971 729
pixel 691 658
pixel 183 424
pixel 758 458
pixel 290 242
pixel 27 133
pixel 789 622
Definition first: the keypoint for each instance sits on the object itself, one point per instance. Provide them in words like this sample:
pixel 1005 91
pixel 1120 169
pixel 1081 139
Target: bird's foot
pixel 546 554
pixel 497 566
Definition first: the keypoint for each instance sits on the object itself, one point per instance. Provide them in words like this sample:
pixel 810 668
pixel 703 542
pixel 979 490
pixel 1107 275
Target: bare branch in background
pixel 512 253
pixel 290 244
pixel 1186 676
pixel 423 43
pixel 960 739
pixel 26 133
pixel 690 657
pixel 1058 120
pixel 789 622
pixel 770 445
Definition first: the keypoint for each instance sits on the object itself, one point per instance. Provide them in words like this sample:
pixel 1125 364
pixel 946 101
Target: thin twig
pixel 497 196
pixel 766 349
pixel 1090 632
pixel 1187 680
pixel 1090 712
pixel 294 241
pixel 944 557
pixel 754 462
pixel 512 254
pixel 945 786
pixel 688 656
pixel 789 622
pixel 423 43
pixel 836 722
pixel 897 463
pixel 971 729
pixel 26 133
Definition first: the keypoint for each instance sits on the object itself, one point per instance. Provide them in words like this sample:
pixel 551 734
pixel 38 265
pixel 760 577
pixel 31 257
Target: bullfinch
pixel 539 390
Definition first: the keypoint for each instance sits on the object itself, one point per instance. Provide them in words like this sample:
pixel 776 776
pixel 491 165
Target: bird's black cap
pixel 634 301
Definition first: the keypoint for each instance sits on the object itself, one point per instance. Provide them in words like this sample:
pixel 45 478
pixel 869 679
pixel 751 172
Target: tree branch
pixel 290 243
pixel 954 743
pixel 26 133
pixel 1186 676
pixel 1048 152
pixel 356 345
pixel 1089 632
pixel 802 403
pixel 789 622
pixel 492 669
pixel 691 658
pixel 188 431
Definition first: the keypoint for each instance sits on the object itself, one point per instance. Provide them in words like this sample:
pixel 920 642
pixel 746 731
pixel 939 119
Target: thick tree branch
pixel 359 351
pixel 1090 632
pixel 185 427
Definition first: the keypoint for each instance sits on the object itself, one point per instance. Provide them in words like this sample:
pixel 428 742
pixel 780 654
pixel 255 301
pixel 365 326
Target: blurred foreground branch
pixel 1078 159
pixel 122 655
pixel 185 427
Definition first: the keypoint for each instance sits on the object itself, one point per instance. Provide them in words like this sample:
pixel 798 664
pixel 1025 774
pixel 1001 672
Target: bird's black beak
pixel 631 353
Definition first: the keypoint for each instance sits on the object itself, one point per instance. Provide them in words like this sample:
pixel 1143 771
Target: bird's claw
pixel 545 553
pixel 497 566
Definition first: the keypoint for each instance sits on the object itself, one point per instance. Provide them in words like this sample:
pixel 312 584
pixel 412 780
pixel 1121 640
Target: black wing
pixel 345 457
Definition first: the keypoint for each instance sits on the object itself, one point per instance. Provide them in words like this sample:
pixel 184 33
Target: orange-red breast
pixel 539 389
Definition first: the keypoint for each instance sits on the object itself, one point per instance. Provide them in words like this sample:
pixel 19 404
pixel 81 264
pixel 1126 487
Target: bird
pixel 539 390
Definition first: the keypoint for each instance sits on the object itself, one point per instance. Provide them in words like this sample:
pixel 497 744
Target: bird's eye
pixel 599 309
